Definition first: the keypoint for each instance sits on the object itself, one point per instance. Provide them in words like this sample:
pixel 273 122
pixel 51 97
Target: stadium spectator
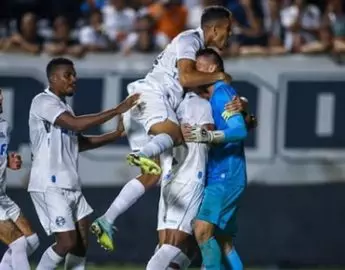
pixel 248 32
pixel 170 17
pixel 335 19
pixel 144 39
pixel 93 37
pixel 194 14
pixel 273 27
pixel 118 20
pixel 90 5
pixel 62 41
pixel 26 39
pixel 302 23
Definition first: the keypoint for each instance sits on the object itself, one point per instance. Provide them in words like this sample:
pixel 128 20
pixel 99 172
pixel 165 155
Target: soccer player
pixel 182 189
pixel 54 185
pixel 153 129
pixel 226 176
pixel 15 230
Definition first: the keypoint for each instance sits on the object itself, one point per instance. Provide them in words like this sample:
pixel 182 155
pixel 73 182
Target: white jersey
pixel 54 149
pixel 164 75
pixel 192 157
pixel 4 141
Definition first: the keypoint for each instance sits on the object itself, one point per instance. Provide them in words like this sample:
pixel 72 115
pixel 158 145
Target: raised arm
pixel 188 75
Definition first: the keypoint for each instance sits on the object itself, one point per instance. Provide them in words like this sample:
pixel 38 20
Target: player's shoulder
pixel 191 35
pixel 41 99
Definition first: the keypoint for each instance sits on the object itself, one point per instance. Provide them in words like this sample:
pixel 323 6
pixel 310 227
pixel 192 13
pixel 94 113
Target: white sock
pixel 18 254
pixel 32 244
pixel 157 145
pixel 129 194
pixel 6 261
pixel 163 257
pixel 73 262
pixel 49 260
pixel 182 260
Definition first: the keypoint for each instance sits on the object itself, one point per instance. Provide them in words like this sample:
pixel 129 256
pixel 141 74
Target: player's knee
pixel 203 231
pixel 170 128
pixel 66 243
pixel 149 180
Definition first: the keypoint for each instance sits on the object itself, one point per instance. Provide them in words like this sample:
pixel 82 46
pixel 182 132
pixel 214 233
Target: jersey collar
pixel 51 93
pixel 201 33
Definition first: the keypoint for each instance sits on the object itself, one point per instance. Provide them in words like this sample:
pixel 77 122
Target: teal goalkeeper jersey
pixel 226 161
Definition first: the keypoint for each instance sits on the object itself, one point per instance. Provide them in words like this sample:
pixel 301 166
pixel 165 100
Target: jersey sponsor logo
pixel 3 149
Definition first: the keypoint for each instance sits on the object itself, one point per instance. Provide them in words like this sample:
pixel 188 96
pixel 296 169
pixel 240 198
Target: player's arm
pixel 84 122
pixel 189 77
pixel 92 142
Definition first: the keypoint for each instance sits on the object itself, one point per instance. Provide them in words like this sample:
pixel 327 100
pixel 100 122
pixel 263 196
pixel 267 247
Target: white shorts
pixel 156 107
pixel 59 209
pixel 179 204
pixel 9 210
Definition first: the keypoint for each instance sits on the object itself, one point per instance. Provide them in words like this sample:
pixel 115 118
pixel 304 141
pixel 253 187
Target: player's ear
pixel 212 68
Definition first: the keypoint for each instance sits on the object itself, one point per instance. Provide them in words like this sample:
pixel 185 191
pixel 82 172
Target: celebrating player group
pixel 186 127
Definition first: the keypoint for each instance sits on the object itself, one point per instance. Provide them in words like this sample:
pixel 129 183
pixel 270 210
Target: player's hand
pixel 14 161
pixel 128 103
pixel 196 134
pixel 120 127
pixel 237 104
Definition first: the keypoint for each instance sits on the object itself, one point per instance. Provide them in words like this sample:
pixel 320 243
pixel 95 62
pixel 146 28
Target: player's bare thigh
pixel 9 232
pixel 24 225
pixel 170 128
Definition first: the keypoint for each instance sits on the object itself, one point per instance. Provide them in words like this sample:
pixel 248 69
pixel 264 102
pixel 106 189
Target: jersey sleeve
pixel 47 108
pixel 220 98
pixel 187 47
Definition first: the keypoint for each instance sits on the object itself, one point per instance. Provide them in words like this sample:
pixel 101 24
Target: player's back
pixel 192 157
pixel 226 161
pixel 54 149
pixel 4 141
pixel 163 77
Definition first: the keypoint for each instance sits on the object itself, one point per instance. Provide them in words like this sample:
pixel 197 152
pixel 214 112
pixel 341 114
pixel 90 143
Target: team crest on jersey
pixel 60 221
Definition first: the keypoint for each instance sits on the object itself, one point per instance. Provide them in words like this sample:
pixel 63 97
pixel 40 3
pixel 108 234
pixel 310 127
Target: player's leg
pixel 204 226
pixel 160 121
pixel 11 212
pixel 178 206
pixel 232 259
pixel 76 258
pixel 14 238
pixel 54 210
pixel 31 237
pixel 227 227
pixel 102 227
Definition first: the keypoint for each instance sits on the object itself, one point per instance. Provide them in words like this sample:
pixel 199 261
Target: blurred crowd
pixel 260 27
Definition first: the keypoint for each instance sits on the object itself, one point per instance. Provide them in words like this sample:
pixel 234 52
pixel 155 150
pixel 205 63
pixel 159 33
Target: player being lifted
pixel 215 224
pixel 54 186
pixel 154 128
pixel 15 230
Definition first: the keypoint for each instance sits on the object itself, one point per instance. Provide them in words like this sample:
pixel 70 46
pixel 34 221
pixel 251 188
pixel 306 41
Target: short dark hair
pixel 213 13
pixel 54 63
pixel 211 53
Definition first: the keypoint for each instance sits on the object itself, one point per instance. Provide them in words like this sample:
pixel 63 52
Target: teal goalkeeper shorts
pixel 219 206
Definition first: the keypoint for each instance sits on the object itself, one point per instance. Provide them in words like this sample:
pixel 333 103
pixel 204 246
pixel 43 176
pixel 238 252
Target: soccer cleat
pixel 148 165
pixel 104 232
